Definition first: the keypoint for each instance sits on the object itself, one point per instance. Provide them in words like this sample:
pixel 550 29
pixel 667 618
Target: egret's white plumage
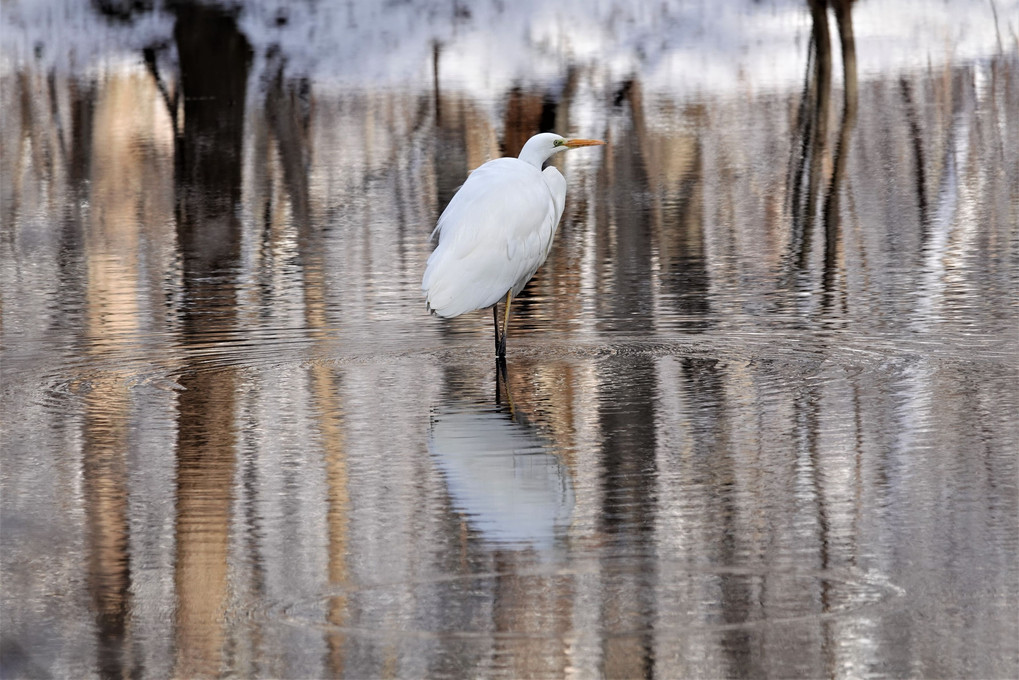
pixel 493 235
pixel 497 230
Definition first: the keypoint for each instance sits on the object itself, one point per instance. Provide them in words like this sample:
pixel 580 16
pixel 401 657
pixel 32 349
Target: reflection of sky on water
pixel 501 476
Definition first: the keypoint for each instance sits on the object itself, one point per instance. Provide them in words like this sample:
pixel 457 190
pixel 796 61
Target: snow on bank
pixel 484 47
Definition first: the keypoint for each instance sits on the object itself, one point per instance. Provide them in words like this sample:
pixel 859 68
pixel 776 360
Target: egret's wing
pixel 493 236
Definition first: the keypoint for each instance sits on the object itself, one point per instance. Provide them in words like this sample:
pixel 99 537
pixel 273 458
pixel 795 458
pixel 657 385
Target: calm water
pixel 758 419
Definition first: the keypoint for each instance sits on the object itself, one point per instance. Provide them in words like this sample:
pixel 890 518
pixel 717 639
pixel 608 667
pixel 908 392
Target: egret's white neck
pixel 539 149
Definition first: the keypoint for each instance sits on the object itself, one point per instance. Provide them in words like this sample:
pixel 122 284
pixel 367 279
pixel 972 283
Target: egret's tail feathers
pixel 448 296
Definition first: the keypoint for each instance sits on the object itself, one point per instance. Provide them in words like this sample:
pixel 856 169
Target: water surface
pixel 758 416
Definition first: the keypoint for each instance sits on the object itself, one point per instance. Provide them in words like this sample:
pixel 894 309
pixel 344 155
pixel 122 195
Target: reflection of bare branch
pixel 843 14
pixel 802 135
pixel 806 179
pixel 51 83
pixel 149 54
pixel 815 134
pixel 918 155
pixel 997 29
pixel 436 52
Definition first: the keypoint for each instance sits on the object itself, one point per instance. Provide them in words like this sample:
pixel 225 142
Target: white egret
pixel 496 231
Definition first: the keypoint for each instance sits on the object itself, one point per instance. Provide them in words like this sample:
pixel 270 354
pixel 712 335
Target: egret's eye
pixel 558 142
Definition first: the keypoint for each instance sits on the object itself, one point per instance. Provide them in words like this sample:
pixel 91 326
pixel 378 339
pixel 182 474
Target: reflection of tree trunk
pixel 809 418
pixel 527 114
pixel 79 164
pixel 337 514
pixel 674 170
pixel 205 471
pixel 806 178
pixel 79 167
pixel 709 385
pixel 816 131
pixel 287 111
pixel 328 405
pixel 517 604
pixel 843 13
pixel 628 514
pixel 214 62
pixel 104 483
pixel 625 244
pixel 291 125
pixel 451 164
pixel 112 178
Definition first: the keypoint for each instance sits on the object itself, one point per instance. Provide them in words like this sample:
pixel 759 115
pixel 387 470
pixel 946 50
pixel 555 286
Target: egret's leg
pixel 495 321
pixel 505 326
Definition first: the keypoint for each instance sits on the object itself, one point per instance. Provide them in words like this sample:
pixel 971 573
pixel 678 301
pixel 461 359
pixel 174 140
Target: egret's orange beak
pixel 574 143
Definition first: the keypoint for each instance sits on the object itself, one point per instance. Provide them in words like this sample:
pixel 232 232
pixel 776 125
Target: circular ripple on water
pixel 624 597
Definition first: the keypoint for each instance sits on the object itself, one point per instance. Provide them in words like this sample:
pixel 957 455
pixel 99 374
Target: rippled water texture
pixel 759 413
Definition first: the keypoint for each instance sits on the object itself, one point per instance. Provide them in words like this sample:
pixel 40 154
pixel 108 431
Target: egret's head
pixel 541 147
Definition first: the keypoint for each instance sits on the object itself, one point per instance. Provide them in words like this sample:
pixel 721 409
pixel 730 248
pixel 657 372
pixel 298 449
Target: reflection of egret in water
pixel 501 475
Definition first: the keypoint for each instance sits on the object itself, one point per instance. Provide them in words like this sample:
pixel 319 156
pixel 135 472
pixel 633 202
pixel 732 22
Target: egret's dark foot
pixel 500 350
